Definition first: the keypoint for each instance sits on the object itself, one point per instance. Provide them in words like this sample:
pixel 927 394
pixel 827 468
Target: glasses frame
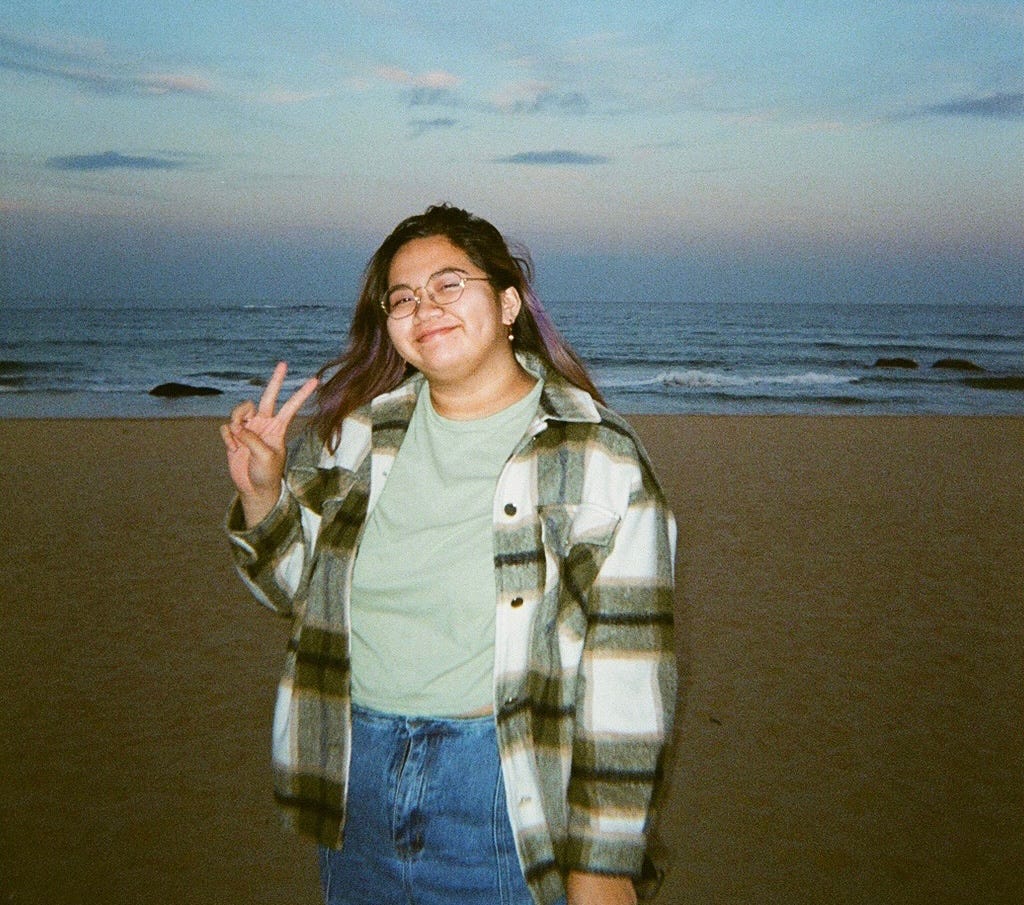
pixel 463 279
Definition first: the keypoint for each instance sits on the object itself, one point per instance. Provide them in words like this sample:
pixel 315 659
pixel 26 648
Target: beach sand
pixel 852 635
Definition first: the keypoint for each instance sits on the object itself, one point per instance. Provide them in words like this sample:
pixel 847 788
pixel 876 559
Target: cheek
pixel 397 334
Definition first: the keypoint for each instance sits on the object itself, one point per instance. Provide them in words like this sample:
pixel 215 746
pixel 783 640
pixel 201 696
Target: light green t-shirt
pixel 423 595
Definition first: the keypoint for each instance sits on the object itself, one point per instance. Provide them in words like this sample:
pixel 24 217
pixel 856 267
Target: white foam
pixel 716 379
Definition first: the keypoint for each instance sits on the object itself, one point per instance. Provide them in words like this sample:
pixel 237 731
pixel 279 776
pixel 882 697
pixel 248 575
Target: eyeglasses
pixel 443 288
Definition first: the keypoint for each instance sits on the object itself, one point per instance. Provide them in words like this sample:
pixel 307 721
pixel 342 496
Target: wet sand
pixel 851 605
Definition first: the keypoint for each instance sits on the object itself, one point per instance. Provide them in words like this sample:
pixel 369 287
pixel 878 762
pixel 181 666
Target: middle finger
pixel 269 398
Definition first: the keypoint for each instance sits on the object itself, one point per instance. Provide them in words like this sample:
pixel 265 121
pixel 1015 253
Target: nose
pixel 424 300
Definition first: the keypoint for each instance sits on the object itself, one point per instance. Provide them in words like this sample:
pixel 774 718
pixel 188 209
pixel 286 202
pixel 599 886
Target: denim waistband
pixel 434 725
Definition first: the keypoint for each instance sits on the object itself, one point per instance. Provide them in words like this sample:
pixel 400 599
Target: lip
pixel 429 333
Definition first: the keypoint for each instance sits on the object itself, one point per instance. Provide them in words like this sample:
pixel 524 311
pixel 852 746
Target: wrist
pixel 257 505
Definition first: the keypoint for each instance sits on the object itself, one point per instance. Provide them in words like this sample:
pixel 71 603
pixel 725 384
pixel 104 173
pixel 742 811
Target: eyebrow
pixel 450 269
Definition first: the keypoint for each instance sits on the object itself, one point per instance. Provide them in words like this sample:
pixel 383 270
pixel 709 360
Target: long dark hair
pixel 370 365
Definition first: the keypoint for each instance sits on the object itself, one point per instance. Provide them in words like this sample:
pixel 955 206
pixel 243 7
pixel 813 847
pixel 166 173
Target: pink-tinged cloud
pixel 519 94
pixel 539 97
pixel 175 84
pixel 436 80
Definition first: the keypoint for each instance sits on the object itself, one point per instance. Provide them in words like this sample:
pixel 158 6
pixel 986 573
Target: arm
pixel 626 694
pixel 264 522
pixel 594 889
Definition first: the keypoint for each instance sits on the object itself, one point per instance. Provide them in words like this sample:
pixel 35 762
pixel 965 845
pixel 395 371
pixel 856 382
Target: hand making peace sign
pixel 255 441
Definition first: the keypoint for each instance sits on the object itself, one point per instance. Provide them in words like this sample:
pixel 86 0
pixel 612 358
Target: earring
pixel 510 336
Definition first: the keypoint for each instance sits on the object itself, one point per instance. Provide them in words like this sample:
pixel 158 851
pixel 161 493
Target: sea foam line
pixel 716 380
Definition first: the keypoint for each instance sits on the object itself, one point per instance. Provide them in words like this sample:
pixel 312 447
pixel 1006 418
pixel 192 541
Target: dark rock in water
pixel 907 363
pixel 177 390
pixel 957 364
pixel 996 383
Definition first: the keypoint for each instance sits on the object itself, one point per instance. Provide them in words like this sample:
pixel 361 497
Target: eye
pixel 400 297
pixel 448 282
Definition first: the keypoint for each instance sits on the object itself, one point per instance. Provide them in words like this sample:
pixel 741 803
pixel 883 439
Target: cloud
pixel 536 97
pixel 90 65
pixel 428 89
pixel 15 49
pixel 554 158
pixel 1004 105
pixel 283 97
pixel 111 160
pixel 437 79
pixel 427 97
pixel 422 126
pixel 174 84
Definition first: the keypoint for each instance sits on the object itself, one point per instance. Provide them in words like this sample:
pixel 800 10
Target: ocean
pixel 661 356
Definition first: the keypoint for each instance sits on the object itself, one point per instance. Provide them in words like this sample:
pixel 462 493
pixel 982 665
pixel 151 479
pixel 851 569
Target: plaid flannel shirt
pixel 584 667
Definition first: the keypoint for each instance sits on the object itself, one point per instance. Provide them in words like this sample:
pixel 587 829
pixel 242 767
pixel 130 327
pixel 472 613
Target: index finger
pixel 269 398
pixel 297 399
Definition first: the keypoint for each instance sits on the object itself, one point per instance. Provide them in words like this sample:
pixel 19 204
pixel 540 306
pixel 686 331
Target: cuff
pixel 256 541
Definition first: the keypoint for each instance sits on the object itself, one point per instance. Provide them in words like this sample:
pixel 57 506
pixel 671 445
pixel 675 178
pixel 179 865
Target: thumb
pixel 266 464
pixel 252 441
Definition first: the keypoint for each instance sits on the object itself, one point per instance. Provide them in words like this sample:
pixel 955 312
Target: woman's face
pixel 464 342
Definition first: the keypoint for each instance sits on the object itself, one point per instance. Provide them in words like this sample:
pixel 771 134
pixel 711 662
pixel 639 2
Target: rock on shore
pixel 957 364
pixel 174 390
pixel 907 363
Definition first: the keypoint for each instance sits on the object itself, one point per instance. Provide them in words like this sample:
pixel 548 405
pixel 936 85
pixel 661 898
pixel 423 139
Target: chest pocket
pixel 577 539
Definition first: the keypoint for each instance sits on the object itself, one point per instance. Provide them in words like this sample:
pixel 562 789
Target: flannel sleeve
pixel 270 557
pixel 626 693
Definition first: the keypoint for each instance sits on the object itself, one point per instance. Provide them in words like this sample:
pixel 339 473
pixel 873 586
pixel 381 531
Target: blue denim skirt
pixel 427 822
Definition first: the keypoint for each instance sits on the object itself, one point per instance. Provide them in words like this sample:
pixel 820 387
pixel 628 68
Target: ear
pixel 511 302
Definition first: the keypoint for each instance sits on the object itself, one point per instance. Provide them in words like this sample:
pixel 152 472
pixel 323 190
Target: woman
pixel 477 560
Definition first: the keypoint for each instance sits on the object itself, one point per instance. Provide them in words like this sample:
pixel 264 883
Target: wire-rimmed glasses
pixel 443 288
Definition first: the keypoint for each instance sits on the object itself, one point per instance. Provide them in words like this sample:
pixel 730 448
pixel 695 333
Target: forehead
pixel 418 259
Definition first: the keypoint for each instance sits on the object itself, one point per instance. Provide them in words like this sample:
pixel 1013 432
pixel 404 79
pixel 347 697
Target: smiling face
pixel 464 346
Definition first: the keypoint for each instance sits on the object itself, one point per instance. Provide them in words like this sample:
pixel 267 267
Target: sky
pixel 859 151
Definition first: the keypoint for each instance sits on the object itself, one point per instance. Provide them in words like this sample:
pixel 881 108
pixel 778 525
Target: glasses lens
pixel 445 287
pixel 400 303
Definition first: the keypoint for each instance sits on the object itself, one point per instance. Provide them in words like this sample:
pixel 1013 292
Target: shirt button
pixel 517 601
pixel 510 509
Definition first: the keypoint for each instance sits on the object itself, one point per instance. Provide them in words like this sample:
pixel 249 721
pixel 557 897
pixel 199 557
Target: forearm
pixel 597 889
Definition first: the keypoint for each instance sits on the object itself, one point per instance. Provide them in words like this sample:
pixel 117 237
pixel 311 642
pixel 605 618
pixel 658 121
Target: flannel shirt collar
pixel 321 487
pixel 559 400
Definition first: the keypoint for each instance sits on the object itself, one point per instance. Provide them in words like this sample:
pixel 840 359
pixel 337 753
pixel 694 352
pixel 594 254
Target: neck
pixel 465 403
